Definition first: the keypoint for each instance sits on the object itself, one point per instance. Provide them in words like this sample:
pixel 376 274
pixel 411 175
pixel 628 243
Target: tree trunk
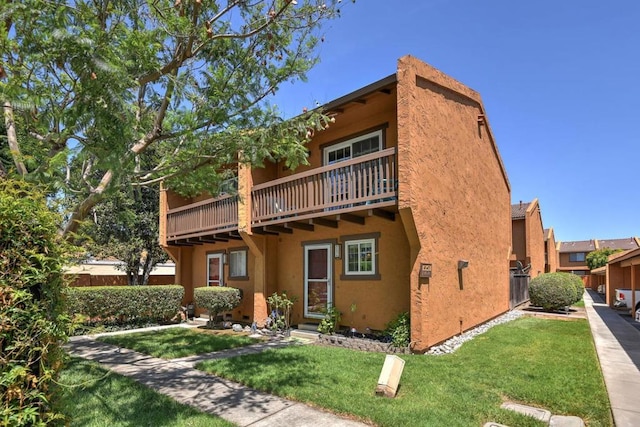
pixel 146 268
pixel 12 138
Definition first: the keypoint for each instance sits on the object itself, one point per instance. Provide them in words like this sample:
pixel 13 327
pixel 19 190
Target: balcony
pixel 207 218
pixel 363 183
pixel 349 190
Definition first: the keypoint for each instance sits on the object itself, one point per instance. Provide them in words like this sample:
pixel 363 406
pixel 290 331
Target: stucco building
pixel 407 183
pixel 573 254
pixel 528 238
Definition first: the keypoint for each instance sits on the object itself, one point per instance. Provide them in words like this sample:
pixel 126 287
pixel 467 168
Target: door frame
pixel 220 256
pixel 314 246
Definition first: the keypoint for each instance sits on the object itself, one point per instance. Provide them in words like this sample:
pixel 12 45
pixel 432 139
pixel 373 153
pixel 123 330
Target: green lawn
pixel 178 342
pixel 94 397
pixel 545 363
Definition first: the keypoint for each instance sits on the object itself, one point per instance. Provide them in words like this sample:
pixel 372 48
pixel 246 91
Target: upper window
pixel 577 257
pixel 352 148
pixel 360 257
pixel 238 263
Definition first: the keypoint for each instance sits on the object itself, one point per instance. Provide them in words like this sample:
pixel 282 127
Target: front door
pixel 214 270
pixel 317 280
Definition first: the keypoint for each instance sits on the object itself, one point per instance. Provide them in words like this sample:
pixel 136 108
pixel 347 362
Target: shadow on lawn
pixel 92 396
pixel 269 370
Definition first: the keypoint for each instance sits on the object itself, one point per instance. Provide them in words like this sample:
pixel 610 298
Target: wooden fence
pixel 518 289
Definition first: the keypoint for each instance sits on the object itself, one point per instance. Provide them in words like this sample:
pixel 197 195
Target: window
pixel 355 147
pixel 238 263
pixel 359 256
pixel 577 257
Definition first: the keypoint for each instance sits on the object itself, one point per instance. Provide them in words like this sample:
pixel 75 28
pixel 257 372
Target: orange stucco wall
pixel 535 239
pixel 454 204
pixel 528 240
pixel 519 242
pixel 552 254
pixel 453 182
pixel 565 264
pixel 377 301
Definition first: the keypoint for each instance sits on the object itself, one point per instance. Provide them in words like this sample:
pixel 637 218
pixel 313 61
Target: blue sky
pixel 560 81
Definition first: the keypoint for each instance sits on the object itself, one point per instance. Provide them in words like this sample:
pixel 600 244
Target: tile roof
pixel 519 210
pixel 592 245
pixel 629 243
pixel 577 246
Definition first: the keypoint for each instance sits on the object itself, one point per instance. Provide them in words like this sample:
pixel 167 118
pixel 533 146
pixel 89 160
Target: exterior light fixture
pixel 463 264
pixel 337 251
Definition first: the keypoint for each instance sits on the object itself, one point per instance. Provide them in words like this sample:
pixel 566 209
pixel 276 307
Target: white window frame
pixel 358 242
pixel 244 263
pixel 350 143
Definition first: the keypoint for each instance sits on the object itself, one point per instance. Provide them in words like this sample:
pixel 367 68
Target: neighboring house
pixel 550 251
pixel 105 273
pixel 623 272
pixel 528 238
pixel 573 255
pixel 407 182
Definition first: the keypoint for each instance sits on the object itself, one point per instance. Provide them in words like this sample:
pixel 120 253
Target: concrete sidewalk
pixel 178 379
pixel 618 347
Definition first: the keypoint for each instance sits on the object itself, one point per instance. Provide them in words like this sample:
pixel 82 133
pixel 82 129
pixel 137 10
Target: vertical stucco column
pixel 405 158
pixel 184 271
pixel 258 248
pixel 245 183
pixel 257 244
pixel 162 220
pixel 633 290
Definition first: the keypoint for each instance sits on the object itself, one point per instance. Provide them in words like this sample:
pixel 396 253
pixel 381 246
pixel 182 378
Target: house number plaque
pixel 425 271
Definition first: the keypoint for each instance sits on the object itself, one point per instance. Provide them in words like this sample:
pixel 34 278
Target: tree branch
pixel 12 138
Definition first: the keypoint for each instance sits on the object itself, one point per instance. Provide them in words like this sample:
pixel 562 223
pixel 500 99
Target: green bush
pixel 399 330
pixel 552 291
pixel 33 325
pixel 578 284
pixel 331 320
pixel 125 304
pixel 216 300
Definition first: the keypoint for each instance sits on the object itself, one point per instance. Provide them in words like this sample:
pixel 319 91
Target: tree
pixel 88 86
pixel 600 257
pixel 125 227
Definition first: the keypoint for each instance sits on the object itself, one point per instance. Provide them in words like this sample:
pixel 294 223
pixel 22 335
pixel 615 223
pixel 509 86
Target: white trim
pixel 244 266
pixel 307 248
pixel 349 143
pixel 358 242
pixel 219 256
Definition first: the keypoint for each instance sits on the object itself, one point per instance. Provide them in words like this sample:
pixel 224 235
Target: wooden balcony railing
pixel 211 216
pixel 369 180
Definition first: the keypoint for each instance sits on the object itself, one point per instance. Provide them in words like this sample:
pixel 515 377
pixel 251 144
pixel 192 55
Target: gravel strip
pixel 452 344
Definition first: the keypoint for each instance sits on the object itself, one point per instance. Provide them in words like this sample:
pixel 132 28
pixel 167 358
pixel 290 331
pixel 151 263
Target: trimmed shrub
pixel 125 304
pixel 552 291
pixel 33 325
pixel 216 300
pixel 577 283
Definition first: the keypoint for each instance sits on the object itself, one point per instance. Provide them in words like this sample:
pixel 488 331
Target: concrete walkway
pixel 178 379
pixel 618 347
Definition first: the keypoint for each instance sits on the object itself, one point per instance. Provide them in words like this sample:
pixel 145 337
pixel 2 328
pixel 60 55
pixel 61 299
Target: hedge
pixel 217 299
pixel 126 303
pixel 33 322
pixel 553 291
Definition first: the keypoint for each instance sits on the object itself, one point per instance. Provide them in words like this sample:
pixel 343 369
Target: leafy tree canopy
pixel 87 86
pixel 600 257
